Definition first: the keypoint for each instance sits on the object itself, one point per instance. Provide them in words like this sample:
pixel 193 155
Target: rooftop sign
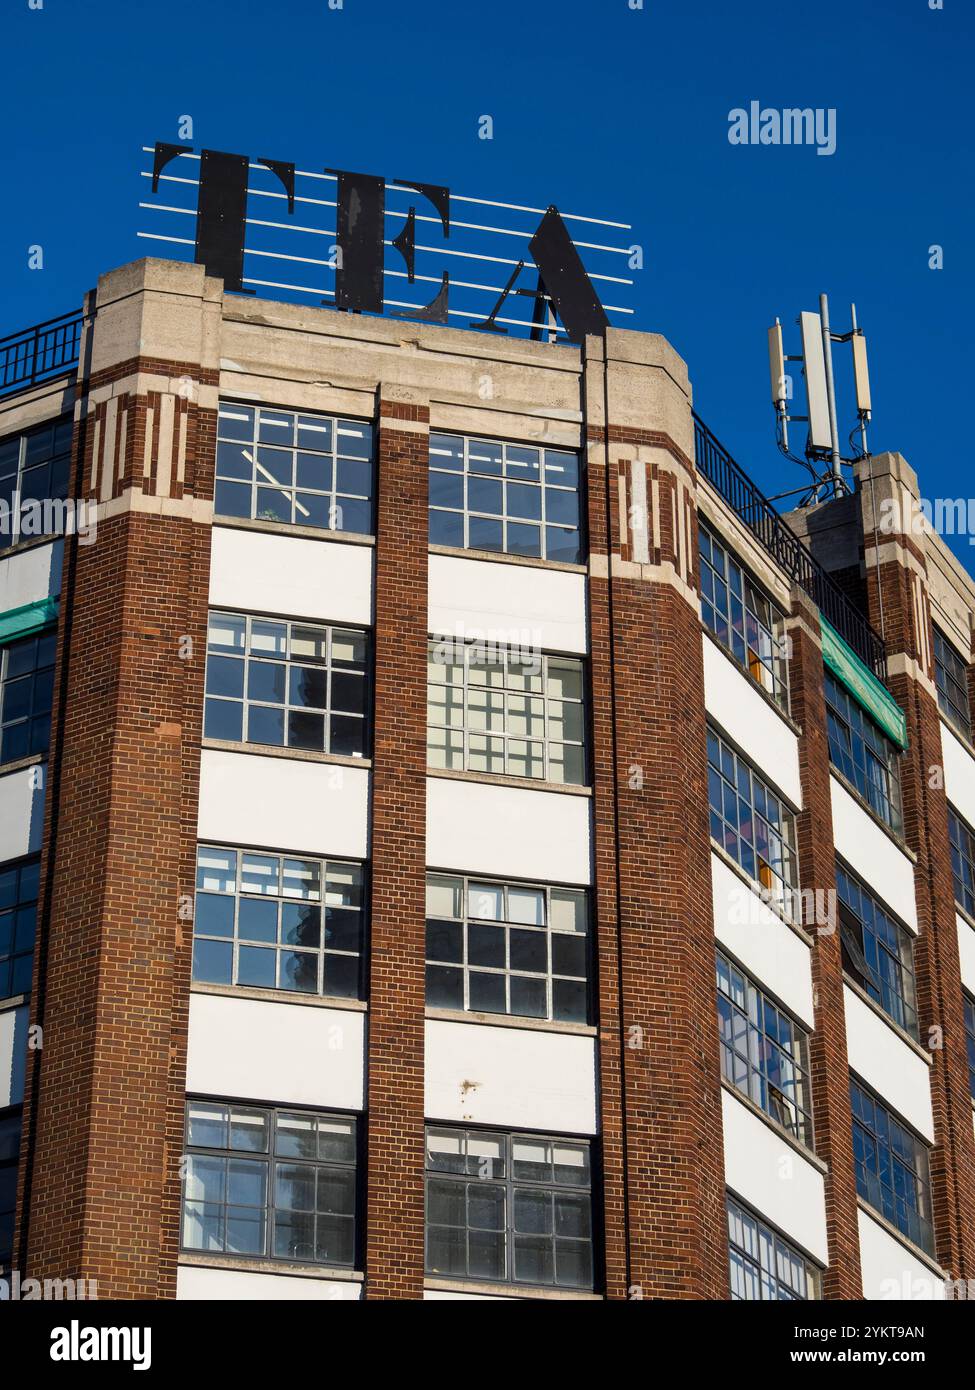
pixel 372 230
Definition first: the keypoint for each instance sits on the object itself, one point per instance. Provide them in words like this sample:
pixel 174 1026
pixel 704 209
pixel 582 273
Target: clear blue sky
pixel 597 108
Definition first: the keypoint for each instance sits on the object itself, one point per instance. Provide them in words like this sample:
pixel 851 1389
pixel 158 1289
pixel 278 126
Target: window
pixel 864 755
pixel 300 470
pixel 743 619
pixel 18 913
pixel 763 1264
pixel 488 495
pixel 276 921
pixel 507 948
pixel 296 685
pixel 9 1155
pixel 34 467
pixel 962 861
pixel 951 677
pixel 752 824
pixel 508 1207
pixel 275 1184
pixel 764 1054
pixel 504 714
pixel 969 1003
pixel 26 692
pixel 891 1168
pixel 878 953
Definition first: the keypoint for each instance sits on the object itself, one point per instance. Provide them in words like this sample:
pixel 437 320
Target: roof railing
pixel 36 354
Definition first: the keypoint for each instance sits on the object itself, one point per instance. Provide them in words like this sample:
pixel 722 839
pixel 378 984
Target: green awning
pixel 31 617
pixel 863 685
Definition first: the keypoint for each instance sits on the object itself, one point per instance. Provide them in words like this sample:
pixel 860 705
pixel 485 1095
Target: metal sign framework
pixel 368 214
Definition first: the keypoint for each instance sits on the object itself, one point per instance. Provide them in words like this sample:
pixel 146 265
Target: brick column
pixel 899 608
pixel 395 1142
pixel 829 1065
pixel 103 1125
pixel 647 641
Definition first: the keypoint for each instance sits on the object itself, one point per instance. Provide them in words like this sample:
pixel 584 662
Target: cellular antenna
pixel 823 457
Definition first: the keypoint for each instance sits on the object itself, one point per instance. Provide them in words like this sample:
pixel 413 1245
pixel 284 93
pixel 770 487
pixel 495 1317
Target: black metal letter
pixel 565 279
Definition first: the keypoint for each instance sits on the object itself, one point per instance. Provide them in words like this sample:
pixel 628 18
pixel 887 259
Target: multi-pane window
pixel 18 919
pixel 26 692
pixel 507 948
pixel 275 1184
pixel 520 715
pixel 752 824
pixel 515 1208
pixel 891 1165
pixel 764 1053
pixel 301 470
pixel 34 467
pixel 764 1265
pixel 962 860
pixel 743 619
pixel 951 677
pixel 489 495
pixel 292 684
pixel 9 1155
pixel 969 1003
pixel 863 753
pixel 878 953
pixel 278 921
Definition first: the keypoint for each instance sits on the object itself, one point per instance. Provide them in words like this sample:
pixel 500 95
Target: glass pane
pixel 443 896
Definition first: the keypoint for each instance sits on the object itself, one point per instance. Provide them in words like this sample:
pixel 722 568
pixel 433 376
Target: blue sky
pixel 597 107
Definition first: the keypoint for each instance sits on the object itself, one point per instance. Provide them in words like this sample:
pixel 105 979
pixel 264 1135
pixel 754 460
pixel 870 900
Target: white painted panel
pixel 731 698
pixel 13 1055
pixel 768 949
pixel 772 1178
pixel 966 951
pixel 888 1066
pixel 543 609
pixel 872 854
pixel 284 803
pixel 30 576
pixel 520 831
pixel 264 572
pixel 292 1054
pixel 889 1269
pixel 245 1286
pixel 21 812
pixel 959 774
pixel 517 1077
pixel 455 1296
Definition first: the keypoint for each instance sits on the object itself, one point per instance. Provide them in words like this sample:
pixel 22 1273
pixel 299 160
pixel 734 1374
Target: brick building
pixel 477 848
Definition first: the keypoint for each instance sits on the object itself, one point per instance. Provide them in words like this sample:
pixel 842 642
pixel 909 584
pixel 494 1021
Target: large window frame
pixel 268 919
pixel 891 1163
pixel 752 824
pixel 962 839
pixel 507 498
pixel 951 680
pixel 516 1228
pixel 493 947
pixel 516 716
pixel 878 951
pixel 764 1051
pixel 20 884
pixel 747 624
pixel 968 1004
pixel 763 1265
pixel 295 468
pixel 319 1190
pixel 304 686
pixel 27 694
pixel 10 1127
pixel 862 752
pixel 35 466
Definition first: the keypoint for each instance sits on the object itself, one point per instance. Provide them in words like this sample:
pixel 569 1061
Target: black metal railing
pixel 786 549
pixel 35 354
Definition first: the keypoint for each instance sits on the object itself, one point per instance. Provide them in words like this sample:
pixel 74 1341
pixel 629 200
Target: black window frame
pixel 770 1241
pixel 968 1005
pixel 749 626
pixel 728 772
pixel 861 751
pixel 269 1157
pixel 42 646
pixel 871 1187
pixel 511 1185
pixel 13 985
pixel 860 941
pixel 21 472
pixel 951 681
pixel 962 841
pixel 11 1126
pixel 327 958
